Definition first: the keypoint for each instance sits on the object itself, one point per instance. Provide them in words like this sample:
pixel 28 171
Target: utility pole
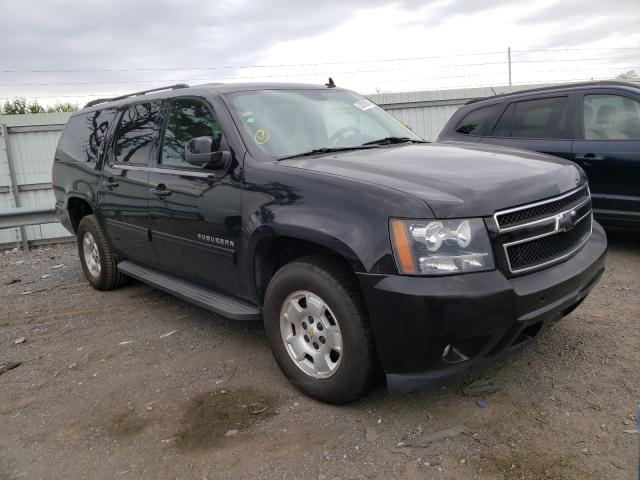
pixel 509 61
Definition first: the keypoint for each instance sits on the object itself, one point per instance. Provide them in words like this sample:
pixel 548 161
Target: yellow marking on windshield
pixel 261 136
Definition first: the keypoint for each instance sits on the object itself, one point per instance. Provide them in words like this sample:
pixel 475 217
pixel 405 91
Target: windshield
pixel 285 123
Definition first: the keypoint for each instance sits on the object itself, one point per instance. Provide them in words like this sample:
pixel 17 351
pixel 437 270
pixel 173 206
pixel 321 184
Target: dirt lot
pixel 137 384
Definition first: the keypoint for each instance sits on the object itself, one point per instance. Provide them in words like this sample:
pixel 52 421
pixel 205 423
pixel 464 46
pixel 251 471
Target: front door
pixel 195 213
pixel 123 199
pixel 609 152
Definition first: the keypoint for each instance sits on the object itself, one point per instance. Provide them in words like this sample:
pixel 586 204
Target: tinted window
pixel 188 119
pixel 544 118
pixel 83 136
pixel 138 133
pixel 474 122
pixel 611 117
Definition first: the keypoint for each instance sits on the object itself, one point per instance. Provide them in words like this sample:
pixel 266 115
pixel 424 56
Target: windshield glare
pixel 285 123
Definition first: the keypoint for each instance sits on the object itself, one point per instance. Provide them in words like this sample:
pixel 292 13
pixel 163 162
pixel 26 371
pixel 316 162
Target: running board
pixel 216 302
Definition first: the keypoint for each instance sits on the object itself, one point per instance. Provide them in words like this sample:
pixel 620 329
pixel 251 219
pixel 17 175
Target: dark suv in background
pixel 595 124
pixel 362 247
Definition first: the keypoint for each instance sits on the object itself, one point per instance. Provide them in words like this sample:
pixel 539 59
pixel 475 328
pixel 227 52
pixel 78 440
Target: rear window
pixel 542 118
pixel 474 122
pixel 83 135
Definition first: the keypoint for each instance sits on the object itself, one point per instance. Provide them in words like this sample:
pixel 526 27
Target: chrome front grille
pixel 539 234
pixel 517 217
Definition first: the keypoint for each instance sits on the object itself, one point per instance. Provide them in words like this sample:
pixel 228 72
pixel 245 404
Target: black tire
pixel 108 277
pixel 337 286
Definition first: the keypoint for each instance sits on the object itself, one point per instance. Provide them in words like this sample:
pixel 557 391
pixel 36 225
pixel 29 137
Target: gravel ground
pixel 135 384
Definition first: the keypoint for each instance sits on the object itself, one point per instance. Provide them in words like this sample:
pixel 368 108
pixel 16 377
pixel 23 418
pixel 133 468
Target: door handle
pixel 589 157
pixel 161 190
pixel 110 183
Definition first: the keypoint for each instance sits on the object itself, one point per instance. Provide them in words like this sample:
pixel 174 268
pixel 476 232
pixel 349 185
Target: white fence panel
pixel 32 140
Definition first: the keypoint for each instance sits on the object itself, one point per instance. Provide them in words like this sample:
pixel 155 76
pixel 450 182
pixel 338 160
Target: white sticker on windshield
pixel 364 104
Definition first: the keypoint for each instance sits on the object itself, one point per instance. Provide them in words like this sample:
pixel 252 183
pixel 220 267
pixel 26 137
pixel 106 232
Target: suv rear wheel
pixel 317 326
pixel 96 257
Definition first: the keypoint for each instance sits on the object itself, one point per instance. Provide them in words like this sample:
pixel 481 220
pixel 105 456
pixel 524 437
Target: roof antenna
pixel 330 84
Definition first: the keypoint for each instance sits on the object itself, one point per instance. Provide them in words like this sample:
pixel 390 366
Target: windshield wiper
pixel 317 151
pixel 390 140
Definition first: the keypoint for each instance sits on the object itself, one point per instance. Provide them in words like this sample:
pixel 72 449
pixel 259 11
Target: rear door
pixel 195 213
pixel 608 149
pixel 539 124
pixel 123 199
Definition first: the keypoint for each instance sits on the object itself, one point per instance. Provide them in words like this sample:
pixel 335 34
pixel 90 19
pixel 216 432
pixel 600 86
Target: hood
pixel 454 179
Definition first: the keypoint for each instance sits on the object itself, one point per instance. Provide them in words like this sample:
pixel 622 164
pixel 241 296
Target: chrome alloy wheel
pixel 311 334
pixel 91 254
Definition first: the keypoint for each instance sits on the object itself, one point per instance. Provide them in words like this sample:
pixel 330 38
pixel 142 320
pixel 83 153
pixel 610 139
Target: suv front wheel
pixel 96 257
pixel 317 326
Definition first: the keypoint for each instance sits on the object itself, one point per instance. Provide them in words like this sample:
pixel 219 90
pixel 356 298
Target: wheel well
pixel 78 208
pixel 274 253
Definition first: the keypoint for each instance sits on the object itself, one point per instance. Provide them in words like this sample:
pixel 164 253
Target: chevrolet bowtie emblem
pixel 566 221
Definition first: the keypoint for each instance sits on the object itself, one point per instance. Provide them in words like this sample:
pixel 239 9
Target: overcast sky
pixel 62 49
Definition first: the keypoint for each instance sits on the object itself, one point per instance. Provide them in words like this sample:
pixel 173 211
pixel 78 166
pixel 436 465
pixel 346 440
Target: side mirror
pixel 198 151
pixel 203 152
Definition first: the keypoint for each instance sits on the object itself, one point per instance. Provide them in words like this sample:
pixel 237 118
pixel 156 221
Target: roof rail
pixel 135 94
pixel 558 86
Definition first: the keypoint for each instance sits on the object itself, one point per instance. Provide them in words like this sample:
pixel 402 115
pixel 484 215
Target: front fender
pixel 346 216
pixel 312 235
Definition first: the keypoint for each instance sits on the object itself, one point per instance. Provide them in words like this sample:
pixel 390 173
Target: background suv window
pixel 611 117
pixel 188 118
pixel 138 133
pixel 474 122
pixel 543 118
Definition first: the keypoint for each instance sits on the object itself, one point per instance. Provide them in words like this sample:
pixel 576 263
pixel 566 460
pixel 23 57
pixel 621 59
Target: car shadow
pixel 625 239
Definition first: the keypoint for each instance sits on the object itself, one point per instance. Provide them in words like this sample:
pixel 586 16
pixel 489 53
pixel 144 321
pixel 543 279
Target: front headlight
pixel 432 247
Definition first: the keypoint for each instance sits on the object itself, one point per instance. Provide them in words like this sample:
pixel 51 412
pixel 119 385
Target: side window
pixel 138 133
pixel 188 118
pixel 504 125
pixel 474 122
pixel 611 117
pixel 83 136
pixel 543 118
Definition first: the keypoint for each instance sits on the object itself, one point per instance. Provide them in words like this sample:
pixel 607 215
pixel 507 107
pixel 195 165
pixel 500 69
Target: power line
pixel 487 85
pixel 208 79
pixel 310 74
pixel 406 80
pixel 382 82
pixel 220 67
pixel 575 49
pixel 297 74
pixel 571 60
pixel 292 65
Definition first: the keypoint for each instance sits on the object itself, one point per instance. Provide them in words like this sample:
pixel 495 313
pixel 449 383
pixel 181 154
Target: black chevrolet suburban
pixel 363 249
pixel 595 124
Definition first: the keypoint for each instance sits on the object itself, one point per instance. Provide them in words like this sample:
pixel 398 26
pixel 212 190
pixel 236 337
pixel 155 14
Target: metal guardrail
pixel 23 216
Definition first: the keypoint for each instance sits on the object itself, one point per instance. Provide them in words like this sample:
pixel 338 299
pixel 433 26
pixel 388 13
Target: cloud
pixel 156 34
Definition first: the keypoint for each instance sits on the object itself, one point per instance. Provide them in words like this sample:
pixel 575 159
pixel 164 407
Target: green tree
pixel 20 105
pixel 15 107
pixel 63 107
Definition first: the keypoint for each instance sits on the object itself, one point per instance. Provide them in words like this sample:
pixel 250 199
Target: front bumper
pixel 481 316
